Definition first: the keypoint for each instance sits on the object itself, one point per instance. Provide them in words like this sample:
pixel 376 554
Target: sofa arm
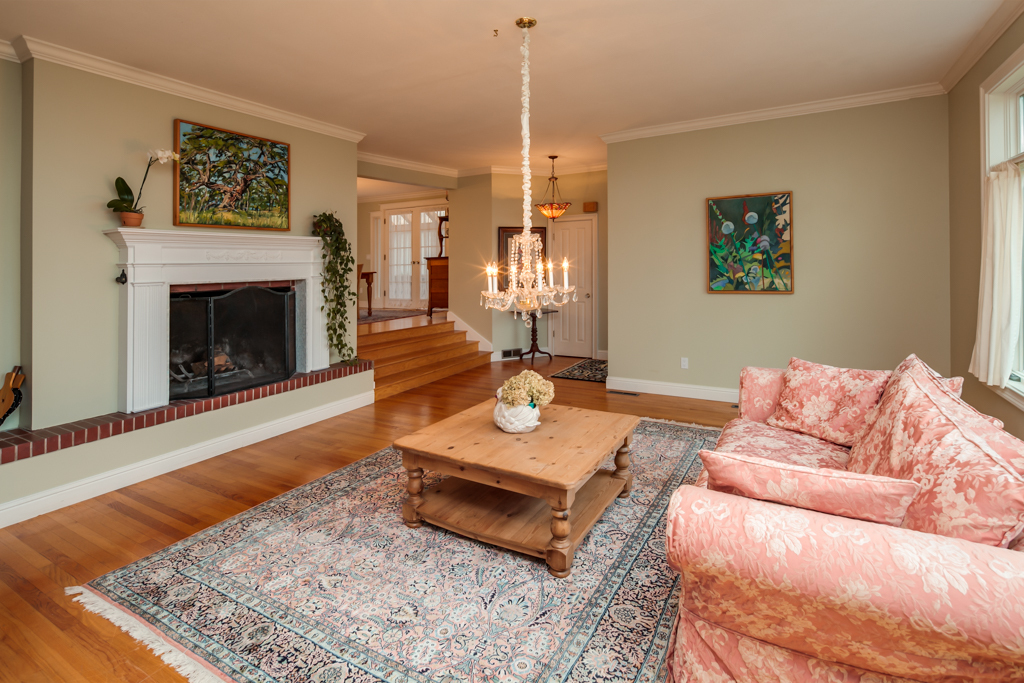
pixel 759 392
pixel 867 595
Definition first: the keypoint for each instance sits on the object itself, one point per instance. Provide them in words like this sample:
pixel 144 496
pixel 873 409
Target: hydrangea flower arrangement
pixel 527 388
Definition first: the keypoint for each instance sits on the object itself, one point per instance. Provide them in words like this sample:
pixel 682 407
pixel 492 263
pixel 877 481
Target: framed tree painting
pixel 505 236
pixel 225 179
pixel 750 243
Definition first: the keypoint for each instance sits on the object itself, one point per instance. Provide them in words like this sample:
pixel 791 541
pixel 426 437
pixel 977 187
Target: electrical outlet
pixel 684 363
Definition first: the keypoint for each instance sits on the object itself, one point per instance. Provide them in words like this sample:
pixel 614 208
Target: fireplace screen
pixel 224 342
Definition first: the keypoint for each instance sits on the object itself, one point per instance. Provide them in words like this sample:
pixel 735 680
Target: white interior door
pixel 399 259
pixel 573 328
pixel 411 239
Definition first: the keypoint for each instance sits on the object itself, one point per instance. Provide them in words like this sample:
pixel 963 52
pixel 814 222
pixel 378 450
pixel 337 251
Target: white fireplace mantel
pixel 153 260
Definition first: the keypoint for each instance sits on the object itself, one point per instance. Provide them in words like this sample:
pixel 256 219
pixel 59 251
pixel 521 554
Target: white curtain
pixel 1000 295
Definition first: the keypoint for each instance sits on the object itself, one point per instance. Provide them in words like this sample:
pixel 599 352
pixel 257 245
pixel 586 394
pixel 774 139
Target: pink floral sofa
pixel 777 592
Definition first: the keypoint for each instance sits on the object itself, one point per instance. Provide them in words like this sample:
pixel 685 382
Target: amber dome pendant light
pixel 556 207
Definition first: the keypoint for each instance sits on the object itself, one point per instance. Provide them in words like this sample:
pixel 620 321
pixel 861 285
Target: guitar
pixel 10 393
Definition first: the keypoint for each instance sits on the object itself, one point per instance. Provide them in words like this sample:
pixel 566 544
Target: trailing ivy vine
pixel 338 266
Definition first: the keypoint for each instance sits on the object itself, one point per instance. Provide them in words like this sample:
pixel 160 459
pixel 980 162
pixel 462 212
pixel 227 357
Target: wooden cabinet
pixel 437 274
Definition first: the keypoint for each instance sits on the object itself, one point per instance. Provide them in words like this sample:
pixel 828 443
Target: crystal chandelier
pixel 528 289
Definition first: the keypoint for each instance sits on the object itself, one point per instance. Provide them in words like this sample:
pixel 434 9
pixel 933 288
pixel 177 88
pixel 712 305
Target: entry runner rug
pixel 587 370
pixel 326 584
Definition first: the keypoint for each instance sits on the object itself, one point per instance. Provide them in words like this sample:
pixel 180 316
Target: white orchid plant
pixel 126 201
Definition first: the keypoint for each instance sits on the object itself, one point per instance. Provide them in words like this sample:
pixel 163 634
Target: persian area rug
pixel 586 370
pixel 326 584
pixel 388 314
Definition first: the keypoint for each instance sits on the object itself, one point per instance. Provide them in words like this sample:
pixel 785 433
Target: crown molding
pixel 985 38
pixel 407 165
pixel 31 48
pixel 385 198
pixel 7 52
pixel 849 102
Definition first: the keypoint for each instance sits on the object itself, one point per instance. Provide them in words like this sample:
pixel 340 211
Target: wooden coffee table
pixel 537 493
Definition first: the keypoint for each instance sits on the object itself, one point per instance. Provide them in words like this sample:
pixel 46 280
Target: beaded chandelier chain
pixel 531 281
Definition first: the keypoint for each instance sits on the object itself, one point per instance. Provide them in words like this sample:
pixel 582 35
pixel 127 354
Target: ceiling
pixel 427 81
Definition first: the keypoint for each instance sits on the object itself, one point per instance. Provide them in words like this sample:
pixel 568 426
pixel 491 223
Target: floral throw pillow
pixel 972 486
pixel 835 492
pixel 826 402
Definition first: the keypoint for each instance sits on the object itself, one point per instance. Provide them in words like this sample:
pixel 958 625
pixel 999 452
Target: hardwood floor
pixel 44 636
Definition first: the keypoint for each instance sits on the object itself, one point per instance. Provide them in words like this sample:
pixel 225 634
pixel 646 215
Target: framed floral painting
pixel 225 179
pixel 750 243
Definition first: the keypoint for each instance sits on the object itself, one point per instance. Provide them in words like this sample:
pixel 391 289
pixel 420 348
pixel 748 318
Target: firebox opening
pixel 222 342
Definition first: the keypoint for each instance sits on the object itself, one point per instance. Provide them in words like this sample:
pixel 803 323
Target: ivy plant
pixel 338 266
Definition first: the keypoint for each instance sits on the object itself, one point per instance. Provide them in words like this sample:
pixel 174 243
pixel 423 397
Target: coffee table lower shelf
pixel 513 520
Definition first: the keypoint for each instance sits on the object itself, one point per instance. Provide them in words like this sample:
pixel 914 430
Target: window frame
pixel 1002 139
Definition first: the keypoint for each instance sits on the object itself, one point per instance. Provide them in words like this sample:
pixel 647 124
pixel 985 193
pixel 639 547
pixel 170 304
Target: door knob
pixel 588 295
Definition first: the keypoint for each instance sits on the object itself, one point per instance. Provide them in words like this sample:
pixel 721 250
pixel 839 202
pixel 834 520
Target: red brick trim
pixel 227 286
pixel 19 444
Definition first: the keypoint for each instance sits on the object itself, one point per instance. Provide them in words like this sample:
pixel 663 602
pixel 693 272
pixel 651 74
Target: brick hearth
pixel 19 444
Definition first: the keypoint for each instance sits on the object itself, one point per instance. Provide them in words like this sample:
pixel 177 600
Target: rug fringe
pixel 183 664
pixel 682 424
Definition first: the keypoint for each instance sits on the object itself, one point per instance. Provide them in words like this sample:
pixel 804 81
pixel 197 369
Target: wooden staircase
pixel 411 352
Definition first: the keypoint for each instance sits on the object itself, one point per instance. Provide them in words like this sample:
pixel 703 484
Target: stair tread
pixel 383 391
pixel 416 372
pixel 430 351
pixel 388 343
pixel 376 339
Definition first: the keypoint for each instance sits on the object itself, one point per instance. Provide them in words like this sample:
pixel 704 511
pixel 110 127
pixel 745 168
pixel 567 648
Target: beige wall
pixel 10 222
pixel 471 244
pixel 81 141
pixel 403 175
pixel 363 212
pixel 965 174
pixel 507 210
pixel 871 249
pixel 78 132
pixel 483 203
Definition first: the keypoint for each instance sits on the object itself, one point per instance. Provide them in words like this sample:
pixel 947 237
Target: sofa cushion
pixel 747 437
pixel 923 432
pixel 759 392
pixel 826 402
pixel 836 492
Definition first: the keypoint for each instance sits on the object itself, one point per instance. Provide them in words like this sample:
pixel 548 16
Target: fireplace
pixel 225 338
pixel 158 263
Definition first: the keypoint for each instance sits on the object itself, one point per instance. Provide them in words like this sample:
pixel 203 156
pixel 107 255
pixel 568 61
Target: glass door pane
pixel 429 247
pixel 400 257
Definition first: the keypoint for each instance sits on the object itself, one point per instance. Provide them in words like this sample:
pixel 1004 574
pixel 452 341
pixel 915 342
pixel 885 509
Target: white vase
pixel 517 420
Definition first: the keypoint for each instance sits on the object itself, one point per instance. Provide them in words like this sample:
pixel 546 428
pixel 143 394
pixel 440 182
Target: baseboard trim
pixel 648 386
pixel 496 355
pixel 75 492
pixel 601 354
pixel 471 334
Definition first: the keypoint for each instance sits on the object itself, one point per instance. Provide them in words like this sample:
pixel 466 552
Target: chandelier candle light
pixel 527 291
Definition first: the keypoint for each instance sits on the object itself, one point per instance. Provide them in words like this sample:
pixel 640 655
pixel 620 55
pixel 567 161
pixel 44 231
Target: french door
pixel 411 239
pixel 573 328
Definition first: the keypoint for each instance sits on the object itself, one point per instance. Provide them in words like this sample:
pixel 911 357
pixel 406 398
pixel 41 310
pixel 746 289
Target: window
pixel 999 350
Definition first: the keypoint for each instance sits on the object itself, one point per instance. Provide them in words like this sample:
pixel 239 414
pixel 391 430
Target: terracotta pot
pixel 131 220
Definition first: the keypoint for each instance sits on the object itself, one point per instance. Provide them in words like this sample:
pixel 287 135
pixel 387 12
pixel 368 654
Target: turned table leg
pixel 559 552
pixel 415 488
pixel 622 466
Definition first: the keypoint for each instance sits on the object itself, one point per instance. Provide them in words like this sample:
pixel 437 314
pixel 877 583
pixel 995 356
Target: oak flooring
pixel 45 637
